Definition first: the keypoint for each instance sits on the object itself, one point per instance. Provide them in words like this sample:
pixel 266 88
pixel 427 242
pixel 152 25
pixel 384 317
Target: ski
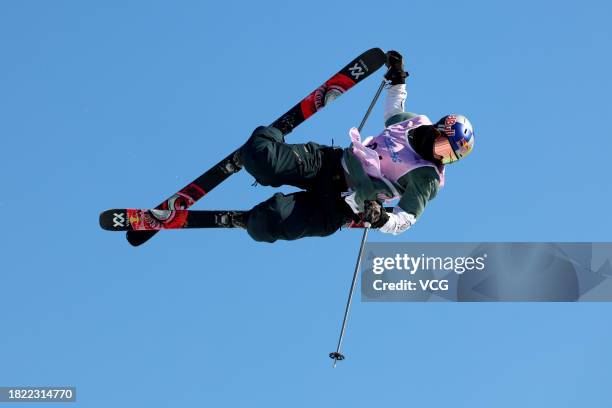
pixel 135 219
pixel 356 71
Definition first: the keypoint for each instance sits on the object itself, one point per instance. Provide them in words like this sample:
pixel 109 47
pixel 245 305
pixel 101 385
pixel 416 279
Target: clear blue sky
pixel 118 104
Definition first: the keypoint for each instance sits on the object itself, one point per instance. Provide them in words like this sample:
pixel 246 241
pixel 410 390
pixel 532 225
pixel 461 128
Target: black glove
pixel 375 214
pixel 396 73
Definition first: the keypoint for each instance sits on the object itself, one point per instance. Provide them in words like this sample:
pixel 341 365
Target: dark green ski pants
pixel 317 211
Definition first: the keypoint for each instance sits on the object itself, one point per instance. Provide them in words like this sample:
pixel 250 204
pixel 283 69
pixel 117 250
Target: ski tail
pixel 356 71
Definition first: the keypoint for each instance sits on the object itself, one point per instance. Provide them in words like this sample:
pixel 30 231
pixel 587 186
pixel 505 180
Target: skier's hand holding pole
pixel 396 73
pixel 391 223
pixel 375 214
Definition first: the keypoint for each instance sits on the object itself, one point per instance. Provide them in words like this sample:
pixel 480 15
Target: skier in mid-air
pixel 406 162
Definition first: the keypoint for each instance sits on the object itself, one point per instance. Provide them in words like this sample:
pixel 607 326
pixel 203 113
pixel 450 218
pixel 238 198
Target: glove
pixel 396 73
pixel 375 214
pixel 398 222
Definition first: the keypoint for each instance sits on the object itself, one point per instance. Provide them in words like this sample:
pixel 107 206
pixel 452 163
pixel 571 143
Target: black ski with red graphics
pixel 137 220
pixel 356 71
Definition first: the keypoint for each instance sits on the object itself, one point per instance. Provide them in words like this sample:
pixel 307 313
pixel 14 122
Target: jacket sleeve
pixel 420 186
pixel 394 100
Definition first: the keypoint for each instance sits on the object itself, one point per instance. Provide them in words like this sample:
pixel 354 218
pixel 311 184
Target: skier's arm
pixel 393 223
pixel 421 186
pixel 394 101
pixel 396 93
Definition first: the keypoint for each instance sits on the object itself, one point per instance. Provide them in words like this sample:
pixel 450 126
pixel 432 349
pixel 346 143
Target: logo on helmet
pixel 448 125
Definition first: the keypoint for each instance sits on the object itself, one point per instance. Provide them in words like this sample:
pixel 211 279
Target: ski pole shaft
pixel 367 115
pixel 337 355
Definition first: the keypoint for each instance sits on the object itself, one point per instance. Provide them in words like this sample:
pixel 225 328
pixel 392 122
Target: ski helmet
pixel 460 134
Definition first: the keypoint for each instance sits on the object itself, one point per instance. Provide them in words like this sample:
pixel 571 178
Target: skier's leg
pixel 273 162
pixel 294 216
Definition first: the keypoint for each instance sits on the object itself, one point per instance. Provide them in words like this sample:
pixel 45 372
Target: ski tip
pixel 379 51
pixel 113 220
pixel 118 220
pixel 101 220
pixel 137 238
pixel 374 58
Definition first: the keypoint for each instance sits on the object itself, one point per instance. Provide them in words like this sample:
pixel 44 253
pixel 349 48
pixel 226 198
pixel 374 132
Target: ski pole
pixel 336 355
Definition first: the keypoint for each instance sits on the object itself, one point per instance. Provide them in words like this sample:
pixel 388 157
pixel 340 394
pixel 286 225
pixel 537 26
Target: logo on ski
pixel 118 220
pixel 133 219
pixel 357 71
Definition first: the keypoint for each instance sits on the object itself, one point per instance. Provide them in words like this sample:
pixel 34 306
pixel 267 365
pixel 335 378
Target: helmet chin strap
pixel 422 140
